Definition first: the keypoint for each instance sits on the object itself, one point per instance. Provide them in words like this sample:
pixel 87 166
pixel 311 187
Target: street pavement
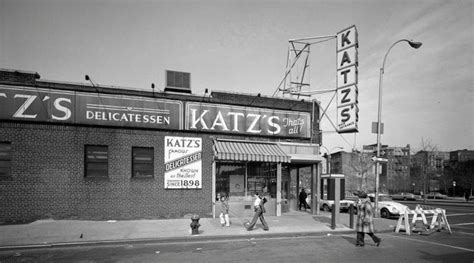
pixel 55 233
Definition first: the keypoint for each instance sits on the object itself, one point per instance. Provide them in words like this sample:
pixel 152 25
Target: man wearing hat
pixel 365 220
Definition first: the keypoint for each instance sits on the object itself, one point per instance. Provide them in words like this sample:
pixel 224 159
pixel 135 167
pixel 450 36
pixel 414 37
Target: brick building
pixel 87 151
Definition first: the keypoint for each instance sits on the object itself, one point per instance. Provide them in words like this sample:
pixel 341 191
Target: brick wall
pixel 48 176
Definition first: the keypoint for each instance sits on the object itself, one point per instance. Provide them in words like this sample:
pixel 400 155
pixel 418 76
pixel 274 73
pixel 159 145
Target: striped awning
pixel 250 151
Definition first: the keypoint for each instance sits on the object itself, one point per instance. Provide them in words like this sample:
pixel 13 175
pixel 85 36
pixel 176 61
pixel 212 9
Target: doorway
pixel 295 178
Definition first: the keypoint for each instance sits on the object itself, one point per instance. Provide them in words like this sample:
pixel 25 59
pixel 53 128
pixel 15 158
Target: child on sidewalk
pixel 224 216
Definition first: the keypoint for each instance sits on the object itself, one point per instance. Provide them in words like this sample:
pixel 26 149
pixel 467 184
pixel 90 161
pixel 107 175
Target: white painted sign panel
pixel 183 162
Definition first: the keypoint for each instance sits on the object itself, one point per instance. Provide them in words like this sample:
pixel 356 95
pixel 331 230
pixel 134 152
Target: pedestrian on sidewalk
pixel 302 198
pixel 259 208
pixel 466 196
pixel 365 220
pixel 224 216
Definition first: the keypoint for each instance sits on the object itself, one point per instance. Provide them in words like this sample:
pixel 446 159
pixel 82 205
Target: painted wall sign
pixel 247 120
pixel 346 80
pixel 43 105
pixel 183 162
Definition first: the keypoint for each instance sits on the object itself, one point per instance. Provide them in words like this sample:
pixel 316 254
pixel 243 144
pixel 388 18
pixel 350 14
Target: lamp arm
pixel 388 51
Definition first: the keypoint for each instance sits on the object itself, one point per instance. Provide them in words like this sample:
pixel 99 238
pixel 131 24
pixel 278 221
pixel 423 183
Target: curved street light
pixel 414 45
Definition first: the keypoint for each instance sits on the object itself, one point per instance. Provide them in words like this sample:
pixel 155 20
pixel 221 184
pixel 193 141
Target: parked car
pixel 405 196
pixel 344 205
pixel 435 195
pixel 387 207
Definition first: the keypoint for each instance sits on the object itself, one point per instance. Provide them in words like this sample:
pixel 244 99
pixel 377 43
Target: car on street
pixel 388 208
pixel 405 196
pixel 435 195
pixel 344 205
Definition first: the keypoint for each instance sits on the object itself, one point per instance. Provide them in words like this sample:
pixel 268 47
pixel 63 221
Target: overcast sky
pixel 241 46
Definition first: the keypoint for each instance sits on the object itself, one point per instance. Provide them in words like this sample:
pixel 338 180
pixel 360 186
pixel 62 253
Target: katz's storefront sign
pixel 71 107
pixel 43 105
pixel 247 120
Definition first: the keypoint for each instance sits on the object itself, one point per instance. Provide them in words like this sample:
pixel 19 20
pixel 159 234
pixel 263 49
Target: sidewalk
pixel 49 233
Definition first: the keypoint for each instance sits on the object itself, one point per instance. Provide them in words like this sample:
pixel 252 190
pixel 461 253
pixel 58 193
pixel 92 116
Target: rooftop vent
pixel 178 82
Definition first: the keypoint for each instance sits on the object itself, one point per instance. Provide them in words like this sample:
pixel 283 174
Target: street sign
pixel 375 127
pixel 379 159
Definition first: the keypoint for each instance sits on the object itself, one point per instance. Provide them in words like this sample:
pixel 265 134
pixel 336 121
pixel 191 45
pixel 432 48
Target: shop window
pixel 262 178
pixel 142 162
pixel 5 160
pixel 244 179
pixel 96 161
pixel 230 179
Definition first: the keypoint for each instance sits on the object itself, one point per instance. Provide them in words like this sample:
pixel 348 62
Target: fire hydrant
pixel 195 224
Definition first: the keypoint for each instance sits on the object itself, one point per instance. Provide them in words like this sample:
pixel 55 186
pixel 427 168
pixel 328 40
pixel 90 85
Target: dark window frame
pixel 6 160
pixel 97 162
pixel 150 170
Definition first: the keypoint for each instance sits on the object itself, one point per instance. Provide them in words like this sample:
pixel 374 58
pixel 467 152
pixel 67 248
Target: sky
pixel 241 46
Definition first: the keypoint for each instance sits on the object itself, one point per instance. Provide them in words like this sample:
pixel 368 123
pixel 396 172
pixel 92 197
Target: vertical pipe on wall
pixel 278 193
pixel 314 188
pixel 318 188
pixel 213 189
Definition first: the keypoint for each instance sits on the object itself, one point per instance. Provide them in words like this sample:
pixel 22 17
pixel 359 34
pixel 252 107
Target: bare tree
pixel 425 165
pixel 362 164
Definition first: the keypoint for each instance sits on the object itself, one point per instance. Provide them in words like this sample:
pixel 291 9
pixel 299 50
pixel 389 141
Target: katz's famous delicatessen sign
pixel 183 162
pixel 73 107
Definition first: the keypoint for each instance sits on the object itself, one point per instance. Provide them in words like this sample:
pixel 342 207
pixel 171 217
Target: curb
pixel 184 239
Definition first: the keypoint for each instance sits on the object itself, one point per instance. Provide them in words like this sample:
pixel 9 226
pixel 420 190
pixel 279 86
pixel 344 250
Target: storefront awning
pixel 250 151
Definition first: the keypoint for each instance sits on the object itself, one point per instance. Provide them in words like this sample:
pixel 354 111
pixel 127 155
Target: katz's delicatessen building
pixel 88 151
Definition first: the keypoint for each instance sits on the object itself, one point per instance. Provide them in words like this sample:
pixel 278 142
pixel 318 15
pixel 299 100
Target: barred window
pixel 5 160
pixel 142 162
pixel 96 161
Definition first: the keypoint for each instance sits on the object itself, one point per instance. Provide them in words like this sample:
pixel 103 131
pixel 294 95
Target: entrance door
pixel 294 178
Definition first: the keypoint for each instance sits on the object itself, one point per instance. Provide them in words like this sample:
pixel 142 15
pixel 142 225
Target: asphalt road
pixel 395 247
pixel 438 247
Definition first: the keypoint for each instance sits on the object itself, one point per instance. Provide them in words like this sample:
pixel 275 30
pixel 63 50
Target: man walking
pixel 259 210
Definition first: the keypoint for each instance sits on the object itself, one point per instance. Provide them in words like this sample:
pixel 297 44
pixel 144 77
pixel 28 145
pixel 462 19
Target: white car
pixel 344 205
pixel 387 207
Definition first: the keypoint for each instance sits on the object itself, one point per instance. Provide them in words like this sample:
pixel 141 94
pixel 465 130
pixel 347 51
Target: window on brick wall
pixel 96 161
pixel 142 162
pixel 5 160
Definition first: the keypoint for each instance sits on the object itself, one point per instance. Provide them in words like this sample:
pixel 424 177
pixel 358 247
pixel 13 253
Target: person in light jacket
pixel 365 220
pixel 259 209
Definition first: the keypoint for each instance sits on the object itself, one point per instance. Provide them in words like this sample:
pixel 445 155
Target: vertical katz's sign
pixel 347 91
pixel 183 162
pixel 247 120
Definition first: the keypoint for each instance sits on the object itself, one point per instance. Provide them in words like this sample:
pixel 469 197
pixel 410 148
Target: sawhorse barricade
pixel 438 222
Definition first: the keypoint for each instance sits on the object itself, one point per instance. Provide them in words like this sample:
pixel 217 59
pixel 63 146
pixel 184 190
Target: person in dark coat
pixel 302 198
pixel 365 220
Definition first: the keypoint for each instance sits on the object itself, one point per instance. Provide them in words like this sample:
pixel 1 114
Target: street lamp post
pixel 412 44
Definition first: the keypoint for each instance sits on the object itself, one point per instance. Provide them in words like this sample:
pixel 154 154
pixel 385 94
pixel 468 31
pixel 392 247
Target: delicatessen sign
pixel 43 105
pixel 73 107
pixel 183 162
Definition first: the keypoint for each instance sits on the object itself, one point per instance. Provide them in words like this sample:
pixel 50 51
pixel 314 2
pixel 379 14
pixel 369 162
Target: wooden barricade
pixel 438 221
